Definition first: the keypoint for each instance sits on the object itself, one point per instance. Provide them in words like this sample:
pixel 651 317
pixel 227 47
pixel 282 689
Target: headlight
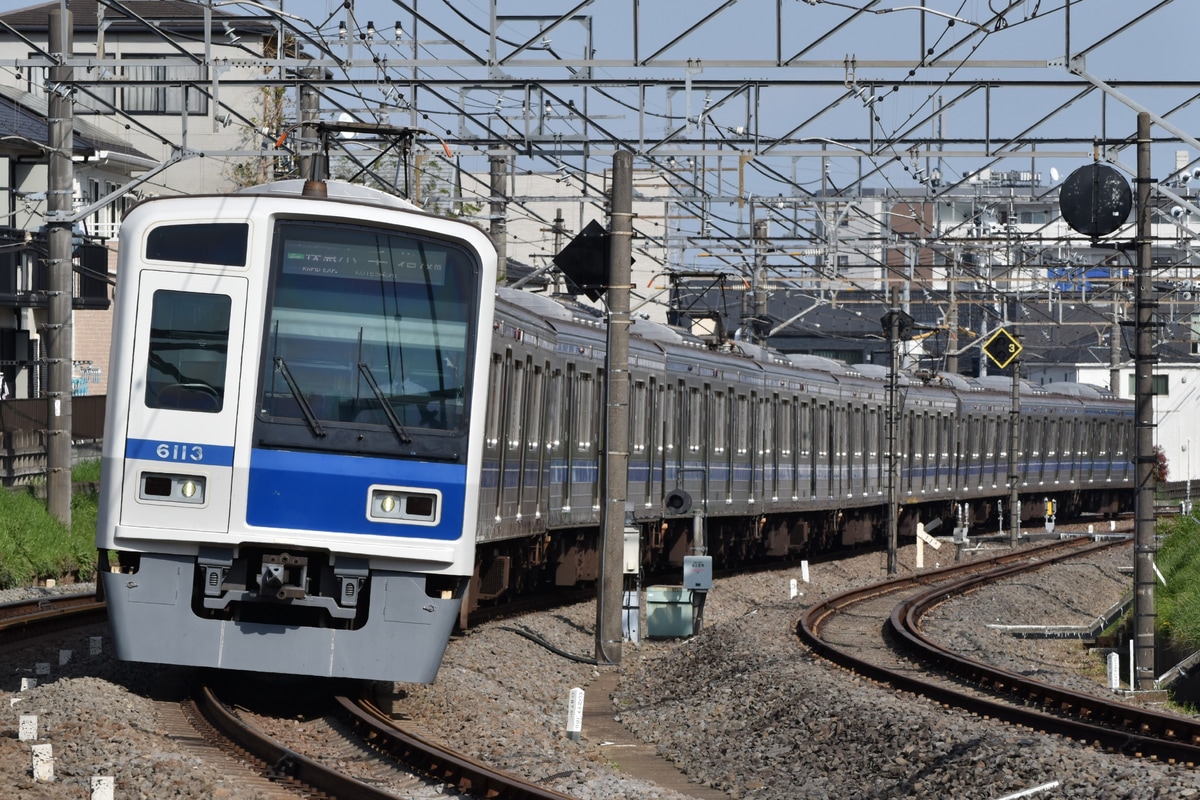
pixel 404 504
pixel 161 487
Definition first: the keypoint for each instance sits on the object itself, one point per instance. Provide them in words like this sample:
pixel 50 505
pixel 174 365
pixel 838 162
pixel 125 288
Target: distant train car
pixel 781 455
pixel 294 435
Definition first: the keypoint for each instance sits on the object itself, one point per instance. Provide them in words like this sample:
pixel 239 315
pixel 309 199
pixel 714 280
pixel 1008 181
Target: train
pixel 292 437
pixel 330 436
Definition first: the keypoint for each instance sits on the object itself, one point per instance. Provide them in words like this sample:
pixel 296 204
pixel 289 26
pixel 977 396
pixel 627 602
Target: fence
pixel 23 434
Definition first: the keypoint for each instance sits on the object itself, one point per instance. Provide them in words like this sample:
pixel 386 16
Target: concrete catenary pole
pixel 310 165
pixel 58 332
pixel 498 229
pixel 1143 532
pixel 616 438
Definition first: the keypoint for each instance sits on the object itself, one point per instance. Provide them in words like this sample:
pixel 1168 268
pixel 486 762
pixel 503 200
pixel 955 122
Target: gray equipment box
pixel 697 572
pixel 668 611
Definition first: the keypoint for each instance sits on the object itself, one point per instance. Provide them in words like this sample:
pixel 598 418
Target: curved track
pixel 875 631
pixel 386 737
pixel 23 621
pixel 26 619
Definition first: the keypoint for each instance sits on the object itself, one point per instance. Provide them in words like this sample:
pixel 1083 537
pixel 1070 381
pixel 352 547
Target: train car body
pixel 781 455
pixel 292 447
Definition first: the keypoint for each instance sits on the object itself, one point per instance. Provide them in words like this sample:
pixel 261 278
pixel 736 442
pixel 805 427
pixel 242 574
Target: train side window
pixel 220 243
pixel 555 409
pixel 189 347
pixel 670 419
pixel 537 391
pixel 785 427
pixel 720 422
pixel 742 425
pixel 766 434
pixel 584 413
pixel 638 412
pixel 516 406
pixel 695 420
pixel 805 432
pixel 491 434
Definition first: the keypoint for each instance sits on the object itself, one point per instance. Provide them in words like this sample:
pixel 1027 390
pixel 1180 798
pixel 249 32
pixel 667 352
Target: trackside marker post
pixel 575 714
pixel 43 762
pixel 102 787
pixel 27 731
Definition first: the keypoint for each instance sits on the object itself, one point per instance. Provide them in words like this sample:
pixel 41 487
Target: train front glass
pixel 368 330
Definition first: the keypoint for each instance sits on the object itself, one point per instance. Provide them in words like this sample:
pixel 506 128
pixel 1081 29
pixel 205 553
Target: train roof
pixel 336 190
pixel 1080 390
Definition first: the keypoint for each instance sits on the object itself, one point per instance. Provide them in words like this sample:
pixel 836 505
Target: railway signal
pixel 1002 348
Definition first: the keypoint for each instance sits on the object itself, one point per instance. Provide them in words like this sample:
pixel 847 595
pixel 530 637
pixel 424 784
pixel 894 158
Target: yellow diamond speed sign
pixel 1002 348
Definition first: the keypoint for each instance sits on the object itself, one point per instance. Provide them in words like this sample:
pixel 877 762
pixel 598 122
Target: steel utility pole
pixel 1144 458
pixel 57 334
pixel 616 431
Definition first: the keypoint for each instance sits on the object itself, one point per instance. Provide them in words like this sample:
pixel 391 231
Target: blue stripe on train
pixel 328 492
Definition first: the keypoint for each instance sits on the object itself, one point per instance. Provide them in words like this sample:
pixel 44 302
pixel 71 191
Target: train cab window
pixel 189 345
pixel 220 243
pixel 370 329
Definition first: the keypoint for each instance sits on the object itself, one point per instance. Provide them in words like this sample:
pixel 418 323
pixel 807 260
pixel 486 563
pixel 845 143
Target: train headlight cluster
pixel 404 504
pixel 157 486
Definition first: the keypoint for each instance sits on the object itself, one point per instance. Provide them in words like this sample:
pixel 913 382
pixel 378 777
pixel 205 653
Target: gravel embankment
pixel 742 706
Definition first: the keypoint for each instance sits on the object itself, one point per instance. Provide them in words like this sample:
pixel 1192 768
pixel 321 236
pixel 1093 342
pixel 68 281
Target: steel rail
pixel 1110 724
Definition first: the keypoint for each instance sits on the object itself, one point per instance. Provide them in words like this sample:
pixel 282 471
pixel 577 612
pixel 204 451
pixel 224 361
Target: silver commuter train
pixel 307 488
pixel 292 444
pixel 783 455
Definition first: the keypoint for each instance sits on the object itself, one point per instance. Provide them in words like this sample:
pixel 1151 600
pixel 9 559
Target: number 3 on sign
pixel 176 451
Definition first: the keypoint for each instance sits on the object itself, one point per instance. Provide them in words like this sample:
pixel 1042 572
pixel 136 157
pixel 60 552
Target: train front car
pixel 293 438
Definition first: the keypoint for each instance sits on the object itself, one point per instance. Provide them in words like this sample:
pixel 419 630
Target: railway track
pixel 218 726
pixel 392 741
pixel 26 619
pixel 876 631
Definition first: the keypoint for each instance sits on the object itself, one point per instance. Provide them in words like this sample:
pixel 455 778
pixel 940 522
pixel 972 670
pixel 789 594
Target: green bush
pixel 34 545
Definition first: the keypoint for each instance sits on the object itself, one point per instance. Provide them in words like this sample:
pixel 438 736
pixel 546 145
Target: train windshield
pixel 368 327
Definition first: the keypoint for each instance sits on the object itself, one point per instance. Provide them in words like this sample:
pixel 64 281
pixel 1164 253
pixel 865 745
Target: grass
pixel 34 545
pixel 1177 604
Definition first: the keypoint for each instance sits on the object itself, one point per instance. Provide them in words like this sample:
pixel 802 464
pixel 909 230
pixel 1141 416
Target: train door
pixel 773 446
pixel 569 410
pixel 183 401
pixel 531 466
pixel 585 489
pixel 693 449
pixel 808 455
pixel 489 492
pixel 720 479
pixel 855 449
pixel 823 446
pixel 639 443
pixel 756 449
pixel 741 459
pixel 669 448
pixel 512 437
pixel 873 483
pixel 785 472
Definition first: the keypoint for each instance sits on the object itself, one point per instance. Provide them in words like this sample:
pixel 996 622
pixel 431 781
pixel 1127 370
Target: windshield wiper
pixel 301 401
pixel 393 420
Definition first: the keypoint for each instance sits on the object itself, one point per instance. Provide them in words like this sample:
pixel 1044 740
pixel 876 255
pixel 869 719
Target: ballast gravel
pixel 741 707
